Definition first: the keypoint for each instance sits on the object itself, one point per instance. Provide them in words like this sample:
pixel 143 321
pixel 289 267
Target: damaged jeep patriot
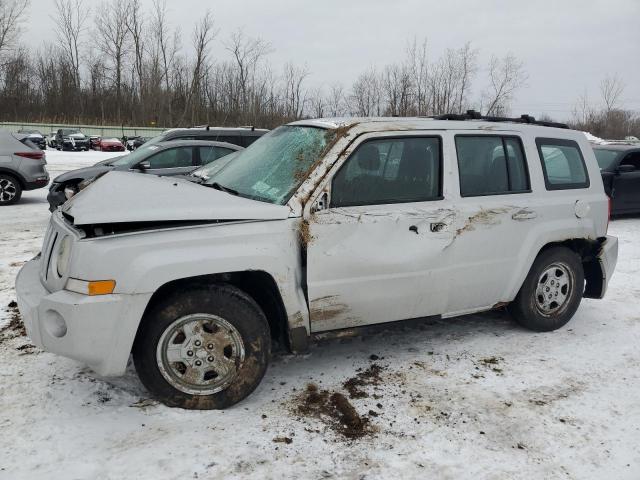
pixel 320 225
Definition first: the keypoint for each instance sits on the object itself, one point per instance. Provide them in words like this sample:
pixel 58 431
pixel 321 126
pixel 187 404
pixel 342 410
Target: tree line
pixel 122 64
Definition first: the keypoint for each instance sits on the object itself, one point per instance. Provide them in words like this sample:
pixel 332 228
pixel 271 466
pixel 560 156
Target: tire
pixel 10 189
pixel 552 291
pixel 234 348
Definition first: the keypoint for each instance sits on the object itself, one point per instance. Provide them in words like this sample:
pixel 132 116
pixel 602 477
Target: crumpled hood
pixel 123 197
pixel 82 173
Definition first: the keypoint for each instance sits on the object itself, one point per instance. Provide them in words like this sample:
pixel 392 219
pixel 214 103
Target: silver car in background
pixel 22 167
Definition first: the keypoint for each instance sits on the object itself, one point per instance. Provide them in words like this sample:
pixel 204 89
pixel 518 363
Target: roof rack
pixel 473 115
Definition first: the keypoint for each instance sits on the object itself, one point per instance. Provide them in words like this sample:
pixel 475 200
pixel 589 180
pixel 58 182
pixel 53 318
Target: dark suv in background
pixel 242 136
pixel 620 170
pixel 71 139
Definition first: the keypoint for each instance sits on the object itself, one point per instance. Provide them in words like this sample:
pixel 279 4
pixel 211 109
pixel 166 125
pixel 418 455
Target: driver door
pixel 378 252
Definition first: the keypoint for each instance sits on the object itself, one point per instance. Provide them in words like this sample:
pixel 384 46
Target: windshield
pixel 134 157
pixel 69 132
pixel 605 157
pixel 273 167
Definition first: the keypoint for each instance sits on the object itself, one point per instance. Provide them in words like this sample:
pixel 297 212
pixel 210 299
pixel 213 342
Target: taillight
pixel 31 155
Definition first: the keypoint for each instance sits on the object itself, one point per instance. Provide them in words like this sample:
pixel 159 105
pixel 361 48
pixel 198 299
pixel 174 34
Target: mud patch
pixel 335 411
pixel 15 327
pixel 370 376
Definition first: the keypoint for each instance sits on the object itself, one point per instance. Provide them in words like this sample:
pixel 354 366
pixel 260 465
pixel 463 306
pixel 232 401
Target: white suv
pixel 320 225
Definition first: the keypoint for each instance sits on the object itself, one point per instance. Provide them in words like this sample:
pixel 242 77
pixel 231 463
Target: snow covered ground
pixel 470 397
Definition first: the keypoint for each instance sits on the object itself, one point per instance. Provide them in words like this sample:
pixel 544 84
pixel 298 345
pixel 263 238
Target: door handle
pixel 413 228
pixel 524 214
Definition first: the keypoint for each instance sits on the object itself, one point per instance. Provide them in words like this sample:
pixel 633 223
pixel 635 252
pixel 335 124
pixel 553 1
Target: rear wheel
pixel 205 349
pixel 10 189
pixel 552 291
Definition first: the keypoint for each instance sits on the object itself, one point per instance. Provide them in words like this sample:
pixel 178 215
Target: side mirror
pixel 626 168
pixel 144 165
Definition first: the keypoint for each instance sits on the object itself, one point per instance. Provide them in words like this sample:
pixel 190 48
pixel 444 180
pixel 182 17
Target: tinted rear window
pixel 605 158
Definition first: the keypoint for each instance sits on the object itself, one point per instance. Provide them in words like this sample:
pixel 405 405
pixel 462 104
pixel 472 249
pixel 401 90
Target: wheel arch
pixel 258 284
pixel 15 175
pixel 587 250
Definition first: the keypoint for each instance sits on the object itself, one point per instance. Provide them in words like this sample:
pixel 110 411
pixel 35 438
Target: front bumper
pixel 98 331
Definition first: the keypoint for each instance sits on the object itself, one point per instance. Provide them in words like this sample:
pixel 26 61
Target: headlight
pixel 64 253
pixel 70 191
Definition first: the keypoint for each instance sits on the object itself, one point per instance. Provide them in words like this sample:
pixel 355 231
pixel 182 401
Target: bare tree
pixel 135 25
pixel 506 76
pixel 247 53
pixel 467 67
pixel 203 35
pixel 366 94
pixel 70 25
pixel 317 103
pixel 12 14
pixel 419 69
pixel 294 96
pixel 165 48
pixel 113 36
pixel 336 100
pixel 611 89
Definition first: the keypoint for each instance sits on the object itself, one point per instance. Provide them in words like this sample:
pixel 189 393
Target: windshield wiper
pixel 217 186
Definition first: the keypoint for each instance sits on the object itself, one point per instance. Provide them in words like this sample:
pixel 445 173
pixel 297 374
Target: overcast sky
pixel 567 46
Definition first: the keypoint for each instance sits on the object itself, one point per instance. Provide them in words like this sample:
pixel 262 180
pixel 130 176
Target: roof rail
pixel 206 127
pixel 251 127
pixel 473 115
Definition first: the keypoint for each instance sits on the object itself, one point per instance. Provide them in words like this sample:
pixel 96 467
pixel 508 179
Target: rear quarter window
pixel 562 163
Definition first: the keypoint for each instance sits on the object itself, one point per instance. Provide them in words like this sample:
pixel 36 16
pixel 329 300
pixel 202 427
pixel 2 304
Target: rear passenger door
pixel 496 213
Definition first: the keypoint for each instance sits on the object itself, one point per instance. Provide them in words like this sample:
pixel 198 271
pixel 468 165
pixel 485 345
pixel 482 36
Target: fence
pixel 105 131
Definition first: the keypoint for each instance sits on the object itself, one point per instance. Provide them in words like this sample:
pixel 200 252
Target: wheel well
pixel 588 251
pixel 257 284
pixel 15 175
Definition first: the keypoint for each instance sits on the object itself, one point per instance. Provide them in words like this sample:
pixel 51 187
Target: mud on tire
pixel 219 326
pixel 552 291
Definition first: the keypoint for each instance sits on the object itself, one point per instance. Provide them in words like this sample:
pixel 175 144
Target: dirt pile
pixel 334 409
pixel 15 327
pixel 370 376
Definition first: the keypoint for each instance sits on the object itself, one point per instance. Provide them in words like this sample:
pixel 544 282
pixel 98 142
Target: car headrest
pixel 369 158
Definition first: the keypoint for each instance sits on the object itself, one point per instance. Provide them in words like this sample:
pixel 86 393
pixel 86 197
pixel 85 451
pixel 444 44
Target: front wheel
pixel 552 291
pixel 205 349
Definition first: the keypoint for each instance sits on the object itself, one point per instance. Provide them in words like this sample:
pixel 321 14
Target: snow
pixel 470 397
pixel 593 139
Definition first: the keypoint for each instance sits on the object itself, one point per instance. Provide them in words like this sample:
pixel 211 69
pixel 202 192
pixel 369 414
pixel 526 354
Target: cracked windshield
pixel 272 168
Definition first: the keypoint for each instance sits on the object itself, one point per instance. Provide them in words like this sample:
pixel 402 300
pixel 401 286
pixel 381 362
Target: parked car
pixel 243 136
pixel 136 142
pixel 318 226
pixel 35 137
pixel 110 145
pixel 22 167
pixel 620 170
pixel 164 158
pixel 51 140
pixel 71 139
pixel 94 142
